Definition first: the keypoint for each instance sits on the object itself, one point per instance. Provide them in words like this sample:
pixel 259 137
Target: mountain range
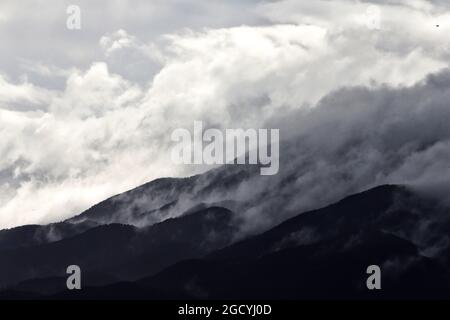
pixel 170 239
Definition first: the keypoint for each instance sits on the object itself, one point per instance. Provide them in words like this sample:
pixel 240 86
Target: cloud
pixel 44 38
pixel 131 58
pixel 23 96
pixel 355 139
pixel 96 120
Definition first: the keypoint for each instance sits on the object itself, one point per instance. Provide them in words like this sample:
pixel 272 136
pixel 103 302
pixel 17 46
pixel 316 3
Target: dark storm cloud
pixel 354 139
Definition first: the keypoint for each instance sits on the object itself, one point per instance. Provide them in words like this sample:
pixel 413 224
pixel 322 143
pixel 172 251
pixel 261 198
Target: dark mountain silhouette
pixel 143 206
pixel 122 252
pixel 32 235
pixel 322 253
pixel 166 197
pixel 328 270
pixel 391 209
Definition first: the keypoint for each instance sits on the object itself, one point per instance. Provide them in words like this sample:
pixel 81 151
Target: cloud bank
pixel 97 120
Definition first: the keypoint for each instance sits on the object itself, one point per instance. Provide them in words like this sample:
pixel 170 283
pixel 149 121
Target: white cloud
pixel 23 96
pixel 108 127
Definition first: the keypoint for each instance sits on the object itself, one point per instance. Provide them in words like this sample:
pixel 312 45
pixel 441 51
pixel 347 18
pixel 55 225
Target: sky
pixel 86 114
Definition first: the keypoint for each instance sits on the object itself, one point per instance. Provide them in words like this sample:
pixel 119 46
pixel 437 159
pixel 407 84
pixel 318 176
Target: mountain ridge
pixel 296 259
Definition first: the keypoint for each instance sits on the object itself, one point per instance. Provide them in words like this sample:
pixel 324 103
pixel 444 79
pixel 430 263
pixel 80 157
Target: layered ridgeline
pixel 141 207
pixel 203 253
pixel 130 235
pixel 269 240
